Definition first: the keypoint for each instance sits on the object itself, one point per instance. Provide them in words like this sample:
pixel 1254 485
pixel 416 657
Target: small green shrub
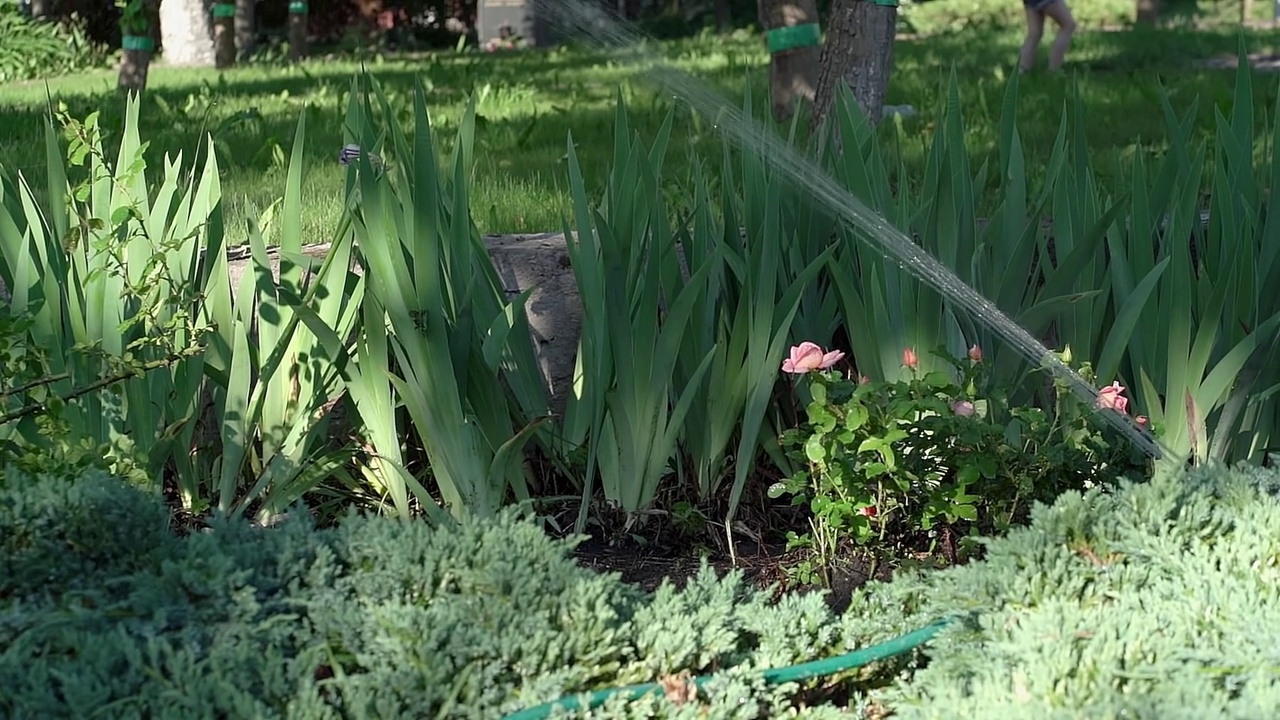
pixel 374 618
pixel 896 458
pixel 1156 600
pixel 56 535
pixel 203 626
pixel 938 16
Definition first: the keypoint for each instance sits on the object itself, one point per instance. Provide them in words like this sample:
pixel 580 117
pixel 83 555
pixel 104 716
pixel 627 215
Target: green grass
pixel 529 102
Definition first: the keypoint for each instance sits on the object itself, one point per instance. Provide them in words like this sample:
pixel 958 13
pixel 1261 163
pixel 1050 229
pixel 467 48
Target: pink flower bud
pixel 975 353
pixel 1112 398
pixel 909 358
pixel 963 408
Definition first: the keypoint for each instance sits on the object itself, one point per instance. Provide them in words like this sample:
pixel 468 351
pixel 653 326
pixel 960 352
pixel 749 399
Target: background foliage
pixel 34 50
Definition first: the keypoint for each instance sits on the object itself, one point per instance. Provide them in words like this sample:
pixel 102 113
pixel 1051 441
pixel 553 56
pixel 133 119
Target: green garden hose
pixel 793 673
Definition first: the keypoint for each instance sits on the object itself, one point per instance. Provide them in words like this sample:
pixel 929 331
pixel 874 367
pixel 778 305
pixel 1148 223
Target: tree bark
pixel 724 16
pixel 134 65
pixel 859 52
pixel 224 34
pixel 186 33
pixel 793 72
pixel 246 27
pixel 137 28
pixel 297 30
pixel 41 9
pixel 1148 12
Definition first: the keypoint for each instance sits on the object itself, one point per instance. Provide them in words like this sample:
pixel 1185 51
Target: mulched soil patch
pixel 763 567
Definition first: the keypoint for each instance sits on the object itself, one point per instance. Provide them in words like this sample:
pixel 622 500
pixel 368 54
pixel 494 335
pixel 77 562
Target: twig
pixel 39 382
pixel 96 385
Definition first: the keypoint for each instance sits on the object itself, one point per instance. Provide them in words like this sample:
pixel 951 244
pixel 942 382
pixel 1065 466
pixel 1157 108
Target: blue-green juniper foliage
pixel 1149 600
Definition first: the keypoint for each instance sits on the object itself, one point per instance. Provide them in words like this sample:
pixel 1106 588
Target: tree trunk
pixel 859 52
pixel 1148 12
pixel 297 30
pixel 724 16
pixel 134 64
pixel 41 9
pixel 794 40
pixel 137 29
pixel 224 34
pixel 186 33
pixel 246 27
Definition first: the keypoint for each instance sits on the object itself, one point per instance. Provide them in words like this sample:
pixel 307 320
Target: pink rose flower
pixel 1112 398
pixel 807 357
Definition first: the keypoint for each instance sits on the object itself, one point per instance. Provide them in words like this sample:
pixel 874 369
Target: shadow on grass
pixel 529 102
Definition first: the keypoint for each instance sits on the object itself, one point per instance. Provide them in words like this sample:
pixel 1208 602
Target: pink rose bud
pixel 975 353
pixel 1143 420
pixel 963 408
pixel 1112 398
pixel 909 358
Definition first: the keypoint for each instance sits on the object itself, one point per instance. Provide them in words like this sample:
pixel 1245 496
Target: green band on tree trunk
pixel 298 8
pixel 137 42
pixel 224 10
pixel 792 37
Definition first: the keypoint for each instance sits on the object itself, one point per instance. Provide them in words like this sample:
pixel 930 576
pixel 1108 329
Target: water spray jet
pixel 575 18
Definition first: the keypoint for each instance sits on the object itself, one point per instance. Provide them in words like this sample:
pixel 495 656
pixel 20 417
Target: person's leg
pixel 1061 15
pixel 1035 31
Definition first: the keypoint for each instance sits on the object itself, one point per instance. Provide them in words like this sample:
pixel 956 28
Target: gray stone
pixel 540 262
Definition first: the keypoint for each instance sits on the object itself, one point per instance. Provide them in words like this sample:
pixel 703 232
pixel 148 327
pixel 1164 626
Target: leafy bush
pixel 40 49
pixel 894 458
pixel 937 16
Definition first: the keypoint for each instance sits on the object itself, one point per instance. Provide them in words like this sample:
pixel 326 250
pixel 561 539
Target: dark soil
pixel 764 567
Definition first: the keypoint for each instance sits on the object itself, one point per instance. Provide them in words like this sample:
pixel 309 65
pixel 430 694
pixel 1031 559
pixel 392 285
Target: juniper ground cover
pixel 1152 601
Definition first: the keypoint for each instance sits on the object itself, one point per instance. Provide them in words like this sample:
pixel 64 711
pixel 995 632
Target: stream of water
pixel 574 18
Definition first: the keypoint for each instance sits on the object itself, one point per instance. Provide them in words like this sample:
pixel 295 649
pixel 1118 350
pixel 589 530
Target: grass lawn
pixel 529 102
